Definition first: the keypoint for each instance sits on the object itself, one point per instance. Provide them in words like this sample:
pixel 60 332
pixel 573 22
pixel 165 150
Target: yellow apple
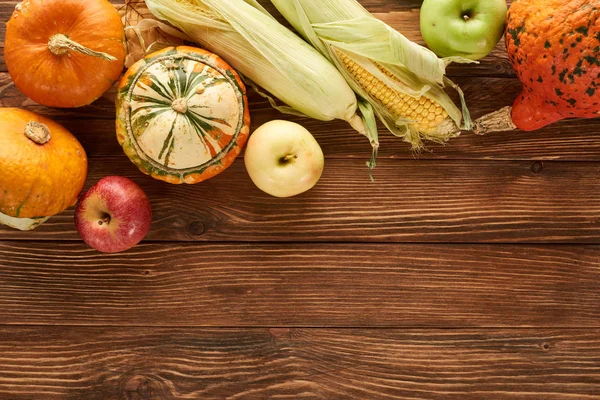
pixel 283 159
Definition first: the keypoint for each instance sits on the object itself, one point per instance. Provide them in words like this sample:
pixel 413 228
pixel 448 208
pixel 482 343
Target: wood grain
pixel 410 201
pixel 471 271
pixel 318 285
pixel 167 364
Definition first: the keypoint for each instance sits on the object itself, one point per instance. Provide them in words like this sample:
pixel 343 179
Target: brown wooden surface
pixel 309 285
pixel 469 271
pixel 103 363
pixel 410 201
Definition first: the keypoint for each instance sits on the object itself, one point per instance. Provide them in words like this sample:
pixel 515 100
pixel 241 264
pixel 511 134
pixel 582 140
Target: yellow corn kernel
pixel 426 113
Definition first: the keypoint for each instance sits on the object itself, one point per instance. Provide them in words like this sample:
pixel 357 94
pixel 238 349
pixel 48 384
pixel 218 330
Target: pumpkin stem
pixel 497 121
pixel 180 105
pixel 60 45
pixel 37 132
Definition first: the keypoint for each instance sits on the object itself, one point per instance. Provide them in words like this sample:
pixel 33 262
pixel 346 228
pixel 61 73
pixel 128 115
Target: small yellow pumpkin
pixel 43 168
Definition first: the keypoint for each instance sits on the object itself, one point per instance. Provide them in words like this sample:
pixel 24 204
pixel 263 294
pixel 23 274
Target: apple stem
pixel 287 159
pixel 466 17
pixel 105 220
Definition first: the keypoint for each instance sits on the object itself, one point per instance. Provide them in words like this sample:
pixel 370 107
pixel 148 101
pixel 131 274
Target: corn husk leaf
pixel 372 38
pixel 371 130
pixel 344 26
pixel 267 53
pixel 144 34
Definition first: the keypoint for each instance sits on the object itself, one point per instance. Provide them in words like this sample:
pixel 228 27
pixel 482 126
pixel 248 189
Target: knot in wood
pixel 281 333
pixel 537 167
pixel 145 387
pixel 197 228
pixel 137 388
pixel 545 346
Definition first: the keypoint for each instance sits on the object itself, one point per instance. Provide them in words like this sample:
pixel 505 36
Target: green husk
pixel 268 54
pixel 345 26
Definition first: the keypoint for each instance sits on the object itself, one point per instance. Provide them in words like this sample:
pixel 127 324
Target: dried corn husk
pixel 144 34
pixel 346 33
pixel 267 53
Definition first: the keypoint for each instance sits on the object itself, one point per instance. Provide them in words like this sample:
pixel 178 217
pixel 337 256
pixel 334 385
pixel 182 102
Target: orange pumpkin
pixel 553 46
pixel 64 53
pixel 43 165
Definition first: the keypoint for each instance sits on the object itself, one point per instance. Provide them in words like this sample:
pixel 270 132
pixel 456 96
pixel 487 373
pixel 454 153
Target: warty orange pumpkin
pixel 43 168
pixel 554 47
pixel 64 53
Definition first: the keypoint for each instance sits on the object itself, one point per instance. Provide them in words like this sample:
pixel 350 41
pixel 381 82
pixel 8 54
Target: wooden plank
pixel 568 140
pixel 123 363
pixel 347 285
pixel 401 15
pixel 410 201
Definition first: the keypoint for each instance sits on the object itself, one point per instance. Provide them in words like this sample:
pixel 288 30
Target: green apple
pixel 283 159
pixel 466 28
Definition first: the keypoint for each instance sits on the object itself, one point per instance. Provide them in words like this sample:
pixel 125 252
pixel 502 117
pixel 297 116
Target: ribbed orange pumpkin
pixel 64 53
pixel 43 166
pixel 554 46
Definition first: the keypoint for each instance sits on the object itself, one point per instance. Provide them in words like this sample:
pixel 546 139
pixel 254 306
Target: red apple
pixel 113 215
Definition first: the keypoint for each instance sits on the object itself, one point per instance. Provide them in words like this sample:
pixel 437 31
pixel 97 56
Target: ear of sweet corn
pixel 267 53
pixel 402 80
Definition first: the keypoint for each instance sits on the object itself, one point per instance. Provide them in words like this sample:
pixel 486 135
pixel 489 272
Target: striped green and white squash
pixel 182 115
